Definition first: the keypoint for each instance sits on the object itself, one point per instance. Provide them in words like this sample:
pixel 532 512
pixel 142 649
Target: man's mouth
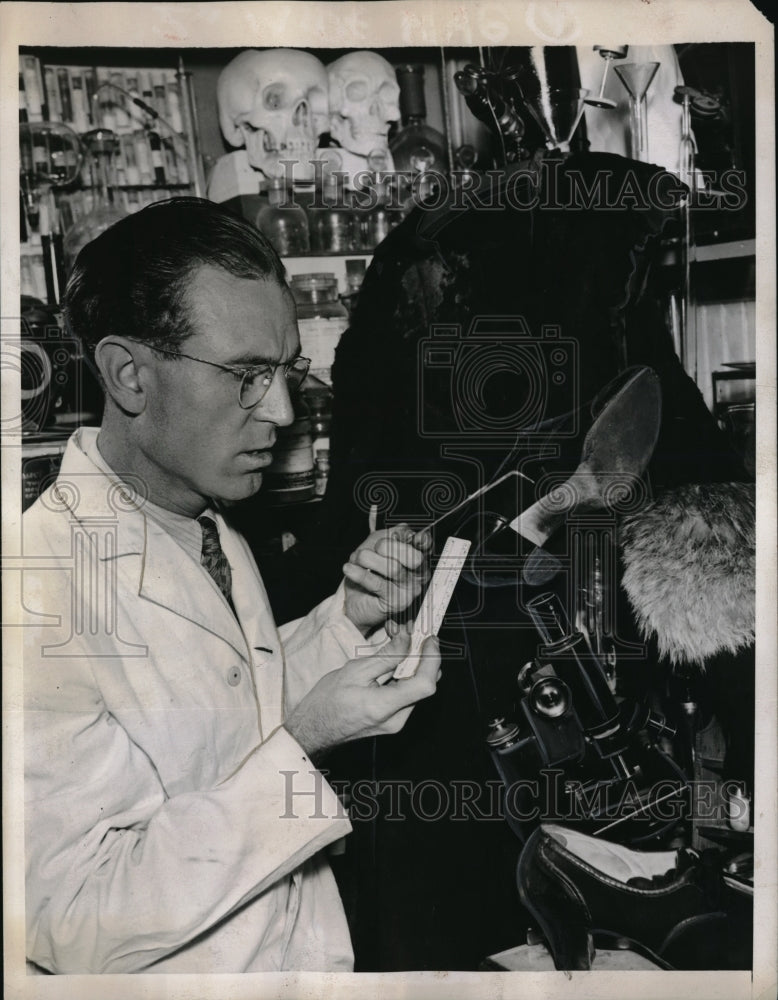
pixel 262 456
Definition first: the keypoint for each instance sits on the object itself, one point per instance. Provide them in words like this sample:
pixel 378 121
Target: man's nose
pixel 276 405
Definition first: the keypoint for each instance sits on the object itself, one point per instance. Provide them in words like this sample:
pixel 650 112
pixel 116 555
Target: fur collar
pixel 689 559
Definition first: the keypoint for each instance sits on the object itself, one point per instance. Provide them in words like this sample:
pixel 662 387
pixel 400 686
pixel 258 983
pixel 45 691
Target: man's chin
pixel 252 485
pixel 242 488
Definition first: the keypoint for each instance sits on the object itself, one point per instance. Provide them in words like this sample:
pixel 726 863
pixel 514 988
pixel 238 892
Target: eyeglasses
pixel 254 381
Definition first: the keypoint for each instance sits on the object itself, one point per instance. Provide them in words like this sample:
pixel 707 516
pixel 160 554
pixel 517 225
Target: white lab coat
pixel 167 825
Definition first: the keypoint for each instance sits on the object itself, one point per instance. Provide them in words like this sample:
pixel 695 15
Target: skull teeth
pixel 297 146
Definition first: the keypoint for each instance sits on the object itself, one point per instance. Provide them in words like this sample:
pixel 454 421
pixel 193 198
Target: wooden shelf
pixel 725 251
pixel 706 252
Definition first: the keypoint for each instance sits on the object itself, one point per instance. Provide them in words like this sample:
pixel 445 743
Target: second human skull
pixel 275 103
pixel 363 101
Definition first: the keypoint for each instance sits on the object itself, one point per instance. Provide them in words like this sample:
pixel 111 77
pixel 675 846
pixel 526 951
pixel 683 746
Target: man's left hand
pixel 385 575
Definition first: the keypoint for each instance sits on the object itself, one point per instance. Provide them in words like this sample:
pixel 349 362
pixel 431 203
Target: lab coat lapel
pixel 188 594
pixel 87 495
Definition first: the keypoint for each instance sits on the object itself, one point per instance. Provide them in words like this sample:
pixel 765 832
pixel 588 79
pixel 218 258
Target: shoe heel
pixel 554 903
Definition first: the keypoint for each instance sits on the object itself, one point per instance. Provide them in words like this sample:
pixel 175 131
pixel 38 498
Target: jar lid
pixel 321 279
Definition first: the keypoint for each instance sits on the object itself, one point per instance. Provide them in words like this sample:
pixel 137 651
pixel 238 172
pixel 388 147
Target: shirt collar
pixel 183 529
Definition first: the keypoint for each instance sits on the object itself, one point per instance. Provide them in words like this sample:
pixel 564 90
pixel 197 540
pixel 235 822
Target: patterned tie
pixel 213 557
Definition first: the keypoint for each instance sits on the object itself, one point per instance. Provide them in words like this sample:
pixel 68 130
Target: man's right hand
pixel 348 704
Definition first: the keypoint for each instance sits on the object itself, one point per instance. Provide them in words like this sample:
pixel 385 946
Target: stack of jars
pixel 329 220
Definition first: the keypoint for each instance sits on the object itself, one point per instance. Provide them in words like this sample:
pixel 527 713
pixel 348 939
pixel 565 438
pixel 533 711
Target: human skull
pixel 363 101
pixel 274 103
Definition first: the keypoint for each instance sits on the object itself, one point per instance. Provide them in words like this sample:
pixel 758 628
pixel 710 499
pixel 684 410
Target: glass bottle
pixel 283 221
pixel 321 319
pixel 417 147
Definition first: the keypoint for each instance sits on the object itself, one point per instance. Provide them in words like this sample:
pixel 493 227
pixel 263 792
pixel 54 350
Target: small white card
pixel 436 600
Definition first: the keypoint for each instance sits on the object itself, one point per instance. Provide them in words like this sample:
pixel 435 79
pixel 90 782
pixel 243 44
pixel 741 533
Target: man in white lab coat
pixel 175 816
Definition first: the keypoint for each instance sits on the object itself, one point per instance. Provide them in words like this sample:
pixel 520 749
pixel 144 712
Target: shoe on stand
pixel 675 908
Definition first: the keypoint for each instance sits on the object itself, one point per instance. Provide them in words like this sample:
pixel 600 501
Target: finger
pixel 429 660
pixel 380 563
pixel 409 690
pixel 397 596
pixel 403 552
pixel 386 659
pixel 372 540
pixel 422 539
pixel 394 627
pixel 369 581
pixel 401 531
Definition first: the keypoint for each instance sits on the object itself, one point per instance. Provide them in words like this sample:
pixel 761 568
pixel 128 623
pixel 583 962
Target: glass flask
pixel 417 147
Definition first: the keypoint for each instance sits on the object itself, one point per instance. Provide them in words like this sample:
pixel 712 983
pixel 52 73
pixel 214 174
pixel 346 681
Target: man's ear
pixel 119 361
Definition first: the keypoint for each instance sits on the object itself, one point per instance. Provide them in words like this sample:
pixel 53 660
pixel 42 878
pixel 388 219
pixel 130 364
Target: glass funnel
pixel 637 78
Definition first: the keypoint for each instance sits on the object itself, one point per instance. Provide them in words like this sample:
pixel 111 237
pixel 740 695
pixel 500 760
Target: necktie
pixel 213 557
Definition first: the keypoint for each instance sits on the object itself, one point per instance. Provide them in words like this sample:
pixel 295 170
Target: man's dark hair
pixel 132 279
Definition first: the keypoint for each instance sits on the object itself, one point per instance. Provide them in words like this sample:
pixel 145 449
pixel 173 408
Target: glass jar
pixel 321 318
pixel 333 225
pixel 318 397
pixel 283 221
pixel 290 477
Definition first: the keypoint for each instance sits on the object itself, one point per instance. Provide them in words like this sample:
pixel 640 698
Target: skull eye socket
pixel 356 90
pixel 387 93
pixel 274 97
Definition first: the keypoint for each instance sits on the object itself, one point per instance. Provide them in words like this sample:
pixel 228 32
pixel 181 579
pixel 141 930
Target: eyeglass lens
pixel 255 385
